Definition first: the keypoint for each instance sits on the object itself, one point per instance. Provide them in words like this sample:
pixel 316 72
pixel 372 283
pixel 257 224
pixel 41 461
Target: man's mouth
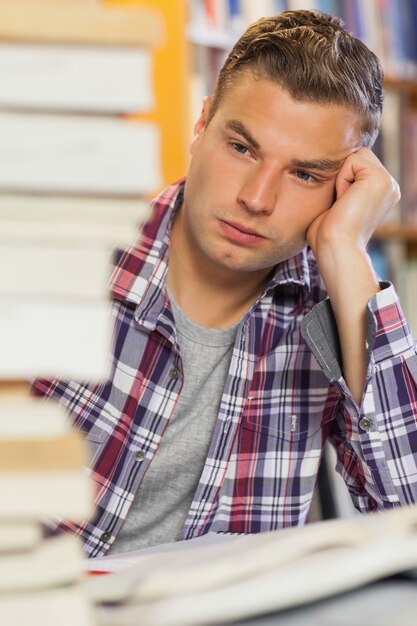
pixel 240 233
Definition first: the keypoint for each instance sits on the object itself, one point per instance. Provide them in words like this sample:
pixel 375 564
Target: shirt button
pixel 365 423
pixel 139 455
pixel 175 373
pixel 105 536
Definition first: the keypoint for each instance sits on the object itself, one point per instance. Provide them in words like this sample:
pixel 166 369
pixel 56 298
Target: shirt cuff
pixel 388 334
pixel 319 330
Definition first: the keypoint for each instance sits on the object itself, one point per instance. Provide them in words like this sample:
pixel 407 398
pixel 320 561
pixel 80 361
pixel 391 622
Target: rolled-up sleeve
pixel 376 442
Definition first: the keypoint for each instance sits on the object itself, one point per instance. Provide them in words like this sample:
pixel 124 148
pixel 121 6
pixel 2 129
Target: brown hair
pixel 310 55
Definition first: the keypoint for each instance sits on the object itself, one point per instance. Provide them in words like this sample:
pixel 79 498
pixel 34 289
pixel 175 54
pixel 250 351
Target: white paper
pixel 117 562
pixel 261 573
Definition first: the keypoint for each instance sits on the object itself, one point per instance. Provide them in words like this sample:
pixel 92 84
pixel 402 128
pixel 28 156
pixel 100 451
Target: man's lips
pixel 241 234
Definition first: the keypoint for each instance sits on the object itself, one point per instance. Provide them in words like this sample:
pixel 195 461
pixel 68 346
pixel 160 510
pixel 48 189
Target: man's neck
pixel 209 306
pixel 211 296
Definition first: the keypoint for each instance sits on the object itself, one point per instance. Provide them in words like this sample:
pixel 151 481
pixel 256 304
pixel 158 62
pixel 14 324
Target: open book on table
pixel 209 581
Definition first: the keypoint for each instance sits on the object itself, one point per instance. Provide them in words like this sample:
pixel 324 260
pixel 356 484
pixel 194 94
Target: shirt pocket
pixel 96 439
pixel 286 415
pixel 280 439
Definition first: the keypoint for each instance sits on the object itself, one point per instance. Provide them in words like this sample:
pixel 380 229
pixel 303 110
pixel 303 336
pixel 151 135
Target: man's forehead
pixel 248 87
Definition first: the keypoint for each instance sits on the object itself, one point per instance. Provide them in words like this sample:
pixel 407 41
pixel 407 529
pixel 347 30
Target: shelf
pixel 402 232
pixel 405 85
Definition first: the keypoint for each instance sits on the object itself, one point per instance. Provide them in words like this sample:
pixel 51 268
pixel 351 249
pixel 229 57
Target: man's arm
pixel 365 191
pixel 376 435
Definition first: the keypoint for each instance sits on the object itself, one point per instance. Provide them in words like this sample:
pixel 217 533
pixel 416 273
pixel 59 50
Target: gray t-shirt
pixel 160 507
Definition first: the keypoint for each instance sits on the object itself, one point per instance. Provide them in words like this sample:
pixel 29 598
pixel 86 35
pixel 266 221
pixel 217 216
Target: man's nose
pixel 258 193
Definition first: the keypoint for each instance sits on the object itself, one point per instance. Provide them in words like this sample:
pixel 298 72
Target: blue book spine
pixel 325 6
pixel 331 7
pixel 394 40
pixel 413 29
pixel 350 17
pixel 379 260
pixel 280 6
pixel 407 32
pixel 358 28
pixel 234 8
pixel 361 18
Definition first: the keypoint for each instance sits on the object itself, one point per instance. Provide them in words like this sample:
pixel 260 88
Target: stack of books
pixel 74 169
pixel 42 477
pixel 54 308
pixel 75 166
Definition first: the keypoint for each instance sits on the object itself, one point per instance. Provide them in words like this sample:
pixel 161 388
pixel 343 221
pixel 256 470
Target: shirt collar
pixel 144 265
pixel 294 270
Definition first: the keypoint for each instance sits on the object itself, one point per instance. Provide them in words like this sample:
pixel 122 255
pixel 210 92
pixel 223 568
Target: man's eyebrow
pixel 318 164
pixel 241 129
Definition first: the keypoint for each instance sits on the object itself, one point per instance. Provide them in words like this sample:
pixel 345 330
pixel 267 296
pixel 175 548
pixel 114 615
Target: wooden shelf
pixel 401 232
pixel 405 85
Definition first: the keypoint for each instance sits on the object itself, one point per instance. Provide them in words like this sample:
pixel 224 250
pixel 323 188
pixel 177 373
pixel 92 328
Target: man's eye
pixel 238 147
pixel 304 176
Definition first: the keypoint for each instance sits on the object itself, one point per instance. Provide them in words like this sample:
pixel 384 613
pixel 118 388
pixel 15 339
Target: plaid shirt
pixel 284 397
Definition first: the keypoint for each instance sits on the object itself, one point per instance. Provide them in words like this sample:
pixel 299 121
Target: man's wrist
pixel 344 265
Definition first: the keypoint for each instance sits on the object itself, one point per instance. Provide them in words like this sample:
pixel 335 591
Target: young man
pixel 231 366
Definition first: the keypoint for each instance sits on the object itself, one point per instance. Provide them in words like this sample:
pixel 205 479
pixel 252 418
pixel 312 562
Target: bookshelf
pixel 400 232
pixel 406 86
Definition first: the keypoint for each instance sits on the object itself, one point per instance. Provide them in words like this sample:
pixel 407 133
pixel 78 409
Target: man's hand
pixel 365 192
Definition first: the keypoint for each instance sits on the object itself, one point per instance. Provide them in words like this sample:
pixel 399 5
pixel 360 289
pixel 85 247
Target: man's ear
pixel 201 123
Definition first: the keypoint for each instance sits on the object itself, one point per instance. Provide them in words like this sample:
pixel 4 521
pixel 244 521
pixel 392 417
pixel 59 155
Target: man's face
pixel 261 171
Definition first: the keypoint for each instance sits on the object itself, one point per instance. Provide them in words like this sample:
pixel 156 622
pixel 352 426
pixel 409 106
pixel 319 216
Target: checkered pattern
pixel 280 403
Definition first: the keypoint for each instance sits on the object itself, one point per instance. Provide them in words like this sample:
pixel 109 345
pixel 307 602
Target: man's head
pixel 312 57
pixel 289 109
